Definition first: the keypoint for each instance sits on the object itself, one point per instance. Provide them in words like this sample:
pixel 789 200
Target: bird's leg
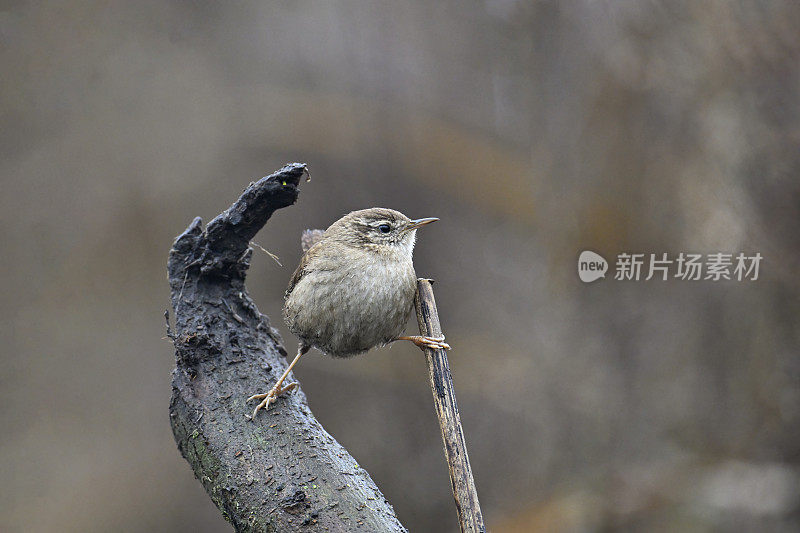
pixel 437 343
pixel 272 396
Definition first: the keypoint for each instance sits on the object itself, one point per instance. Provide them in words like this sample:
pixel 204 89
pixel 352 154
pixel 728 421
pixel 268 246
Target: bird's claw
pixel 270 397
pixel 436 343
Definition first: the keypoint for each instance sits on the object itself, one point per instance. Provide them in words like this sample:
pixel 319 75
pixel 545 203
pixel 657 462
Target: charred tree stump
pixel 282 471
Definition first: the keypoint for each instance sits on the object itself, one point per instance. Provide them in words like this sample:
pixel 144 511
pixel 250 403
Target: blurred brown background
pixel 534 130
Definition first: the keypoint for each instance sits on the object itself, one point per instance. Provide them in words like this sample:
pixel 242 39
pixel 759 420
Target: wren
pixel 353 289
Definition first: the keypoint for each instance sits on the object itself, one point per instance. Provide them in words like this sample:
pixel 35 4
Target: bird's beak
pixel 414 224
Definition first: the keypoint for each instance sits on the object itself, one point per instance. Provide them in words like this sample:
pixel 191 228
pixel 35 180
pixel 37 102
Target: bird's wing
pixel 310 237
pixel 297 276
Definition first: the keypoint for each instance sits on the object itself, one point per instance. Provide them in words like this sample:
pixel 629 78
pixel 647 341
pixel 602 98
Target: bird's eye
pixel 385 228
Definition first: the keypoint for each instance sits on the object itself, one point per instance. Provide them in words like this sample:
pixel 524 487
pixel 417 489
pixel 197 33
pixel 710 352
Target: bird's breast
pixel 350 309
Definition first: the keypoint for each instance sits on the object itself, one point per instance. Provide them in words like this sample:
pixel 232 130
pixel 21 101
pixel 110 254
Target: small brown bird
pixel 353 290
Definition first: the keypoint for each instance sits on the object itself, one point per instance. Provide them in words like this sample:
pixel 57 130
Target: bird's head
pixel 378 230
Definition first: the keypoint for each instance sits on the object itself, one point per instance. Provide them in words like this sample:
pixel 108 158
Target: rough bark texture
pixel 281 471
pixel 444 399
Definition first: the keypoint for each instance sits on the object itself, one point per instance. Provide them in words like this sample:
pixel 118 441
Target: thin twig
pixel 273 256
pixel 444 399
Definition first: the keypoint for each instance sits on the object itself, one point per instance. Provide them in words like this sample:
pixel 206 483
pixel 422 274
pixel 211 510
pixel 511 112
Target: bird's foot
pixel 270 397
pixel 437 343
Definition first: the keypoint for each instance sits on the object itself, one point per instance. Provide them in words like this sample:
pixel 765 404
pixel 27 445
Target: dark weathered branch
pixel 282 471
pixel 444 399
